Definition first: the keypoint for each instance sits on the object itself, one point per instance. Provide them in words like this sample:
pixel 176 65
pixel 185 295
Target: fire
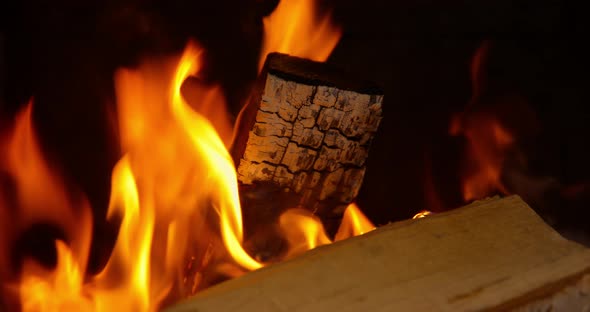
pixel 175 173
pixel 488 143
pixel 40 198
pixel 422 214
pixel 131 253
pixel 39 189
pixel 304 231
pixel 174 189
pixel 490 135
pixel 293 29
pixel 354 223
pixel 57 290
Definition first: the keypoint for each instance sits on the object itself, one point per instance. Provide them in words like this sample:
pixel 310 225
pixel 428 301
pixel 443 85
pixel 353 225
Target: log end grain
pixel 306 133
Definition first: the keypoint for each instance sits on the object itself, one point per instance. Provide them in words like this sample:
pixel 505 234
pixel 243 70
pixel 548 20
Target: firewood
pixel 495 254
pixel 304 137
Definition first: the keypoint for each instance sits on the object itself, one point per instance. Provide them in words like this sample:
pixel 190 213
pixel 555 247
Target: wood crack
pixel 309 138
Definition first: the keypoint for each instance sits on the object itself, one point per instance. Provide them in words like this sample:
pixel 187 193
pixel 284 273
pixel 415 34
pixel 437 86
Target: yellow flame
pixel 208 143
pixel 175 176
pixel 422 214
pixel 175 170
pixel 354 223
pixel 58 290
pixel 175 173
pixel 294 29
pixel 131 253
pixel 157 211
pixel 302 230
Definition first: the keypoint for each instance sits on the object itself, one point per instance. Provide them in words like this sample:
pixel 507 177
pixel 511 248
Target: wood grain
pixel 305 135
pixel 495 254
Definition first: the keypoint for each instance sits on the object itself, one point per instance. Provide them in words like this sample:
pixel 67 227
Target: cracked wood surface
pixel 495 254
pixel 308 134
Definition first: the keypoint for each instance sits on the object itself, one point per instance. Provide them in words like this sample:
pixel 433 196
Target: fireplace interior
pixel 490 87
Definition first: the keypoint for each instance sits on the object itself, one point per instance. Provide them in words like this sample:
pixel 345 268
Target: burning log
pixel 303 139
pixel 493 254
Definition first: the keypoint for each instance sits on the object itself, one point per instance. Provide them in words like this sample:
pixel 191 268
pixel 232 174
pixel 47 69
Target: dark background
pixel 64 53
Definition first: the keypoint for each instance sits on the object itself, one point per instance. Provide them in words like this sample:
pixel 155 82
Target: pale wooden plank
pixel 495 253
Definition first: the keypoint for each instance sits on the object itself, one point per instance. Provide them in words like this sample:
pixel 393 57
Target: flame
pixel 174 190
pixel 302 230
pixel 294 29
pixel 488 143
pixel 354 223
pixel 131 253
pixel 422 214
pixel 39 189
pixel 486 129
pixel 56 290
pixel 40 198
pixel 175 174
pixel 305 231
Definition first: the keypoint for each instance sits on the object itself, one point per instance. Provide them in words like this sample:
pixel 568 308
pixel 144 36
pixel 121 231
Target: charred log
pixel 303 138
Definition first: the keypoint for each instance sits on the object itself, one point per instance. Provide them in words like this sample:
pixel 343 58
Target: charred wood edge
pixel 315 73
pixel 298 70
pixel 308 75
pixel 471 258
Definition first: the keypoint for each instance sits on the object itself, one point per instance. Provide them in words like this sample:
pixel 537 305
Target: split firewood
pixel 303 138
pixel 495 254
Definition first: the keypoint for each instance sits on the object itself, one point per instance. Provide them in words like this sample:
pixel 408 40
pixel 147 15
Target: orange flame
pixel 304 231
pixel 40 191
pixel 174 177
pixel 422 214
pixel 177 153
pixel 58 290
pixel 131 253
pixel 354 223
pixel 41 199
pixel 175 172
pixel 488 143
pixel 490 136
pixel 294 29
